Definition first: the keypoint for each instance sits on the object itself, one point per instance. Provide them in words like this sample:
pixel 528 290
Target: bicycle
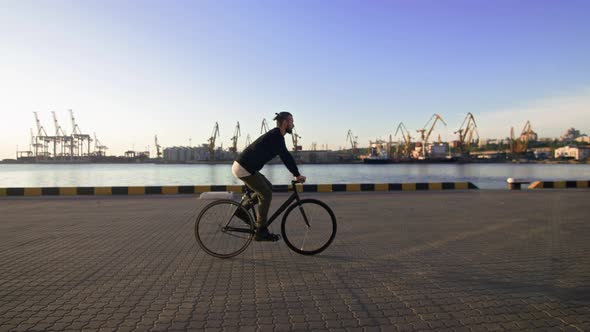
pixel 225 227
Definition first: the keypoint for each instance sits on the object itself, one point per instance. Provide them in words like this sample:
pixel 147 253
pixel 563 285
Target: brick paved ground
pixel 485 260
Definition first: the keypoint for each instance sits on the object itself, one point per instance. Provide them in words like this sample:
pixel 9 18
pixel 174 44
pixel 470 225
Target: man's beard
pixel 289 130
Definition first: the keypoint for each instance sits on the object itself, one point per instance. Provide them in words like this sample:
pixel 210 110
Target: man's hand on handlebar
pixel 300 178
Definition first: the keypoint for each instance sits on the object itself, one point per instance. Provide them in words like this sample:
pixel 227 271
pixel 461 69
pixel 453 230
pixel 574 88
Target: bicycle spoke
pixel 236 235
pixel 231 229
pixel 219 230
pixel 308 226
pixel 311 229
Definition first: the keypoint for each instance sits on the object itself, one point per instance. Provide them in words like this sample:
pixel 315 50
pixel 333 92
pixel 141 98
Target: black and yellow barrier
pixel 559 184
pixel 174 190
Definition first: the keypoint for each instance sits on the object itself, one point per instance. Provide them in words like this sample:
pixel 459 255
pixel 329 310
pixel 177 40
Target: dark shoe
pixel 262 234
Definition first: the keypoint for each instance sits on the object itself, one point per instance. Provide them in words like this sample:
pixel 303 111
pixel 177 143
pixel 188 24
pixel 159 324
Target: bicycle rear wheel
pixel 313 236
pixel 224 229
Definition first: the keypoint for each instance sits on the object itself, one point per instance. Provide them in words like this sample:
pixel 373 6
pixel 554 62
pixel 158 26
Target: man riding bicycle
pixel 248 164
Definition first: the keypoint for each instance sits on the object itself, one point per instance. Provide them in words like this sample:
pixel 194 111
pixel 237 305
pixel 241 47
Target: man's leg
pixel 263 189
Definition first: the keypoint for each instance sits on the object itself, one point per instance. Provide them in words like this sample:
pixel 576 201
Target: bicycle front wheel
pixel 309 228
pixel 224 229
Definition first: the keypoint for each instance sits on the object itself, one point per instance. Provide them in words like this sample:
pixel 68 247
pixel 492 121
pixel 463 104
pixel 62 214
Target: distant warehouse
pixel 574 152
pixel 186 153
pixel 182 154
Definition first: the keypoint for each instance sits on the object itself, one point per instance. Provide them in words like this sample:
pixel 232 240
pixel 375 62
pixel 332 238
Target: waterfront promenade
pixel 453 260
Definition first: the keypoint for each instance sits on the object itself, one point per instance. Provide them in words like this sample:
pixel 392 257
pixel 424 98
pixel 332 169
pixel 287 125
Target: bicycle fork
pixel 308 226
pixel 304 216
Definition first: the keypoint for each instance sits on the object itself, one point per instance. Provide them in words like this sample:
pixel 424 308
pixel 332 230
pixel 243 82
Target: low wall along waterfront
pixel 174 190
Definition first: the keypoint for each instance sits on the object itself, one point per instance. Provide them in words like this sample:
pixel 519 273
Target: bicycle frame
pixel 283 207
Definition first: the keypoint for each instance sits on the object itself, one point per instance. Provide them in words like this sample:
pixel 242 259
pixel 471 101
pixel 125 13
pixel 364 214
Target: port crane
pixel 158 147
pixel 36 146
pixel 296 137
pixel 424 137
pixel 74 144
pixel 466 132
pixel 234 140
pixel 263 127
pixel 60 138
pixel 43 137
pixel 520 145
pixel 211 141
pixel 248 141
pixel 78 138
pixel 33 145
pixel 403 149
pixel 99 148
pixel 353 143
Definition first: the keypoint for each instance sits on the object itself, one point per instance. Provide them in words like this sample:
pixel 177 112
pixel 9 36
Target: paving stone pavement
pixel 445 261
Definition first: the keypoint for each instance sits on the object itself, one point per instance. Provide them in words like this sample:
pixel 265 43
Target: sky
pixel 130 70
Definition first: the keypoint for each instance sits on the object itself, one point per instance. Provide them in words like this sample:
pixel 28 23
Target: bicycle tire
pixel 324 219
pixel 210 229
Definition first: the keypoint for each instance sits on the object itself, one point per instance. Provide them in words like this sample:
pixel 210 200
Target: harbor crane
pixel 99 148
pixel 78 139
pixel 234 140
pixel 158 147
pixel 35 145
pixel 211 141
pixel 263 127
pixel 60 138
pixel 296 137
pixel 41 136
pixel 58 130
pixel 248 141
pixel 520 145
pixel 423 137
pixel 403 149
pixel 353 143
pixel 70 145
pixel 466 132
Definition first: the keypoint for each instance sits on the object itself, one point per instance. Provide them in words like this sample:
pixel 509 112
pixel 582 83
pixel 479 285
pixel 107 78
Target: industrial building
pixel 194 153
pixel 575 152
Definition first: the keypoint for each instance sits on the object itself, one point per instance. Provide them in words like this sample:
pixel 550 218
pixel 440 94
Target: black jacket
pixel 264 149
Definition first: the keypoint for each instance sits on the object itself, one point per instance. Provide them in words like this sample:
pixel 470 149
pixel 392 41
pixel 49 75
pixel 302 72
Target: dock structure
pixel 423 260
